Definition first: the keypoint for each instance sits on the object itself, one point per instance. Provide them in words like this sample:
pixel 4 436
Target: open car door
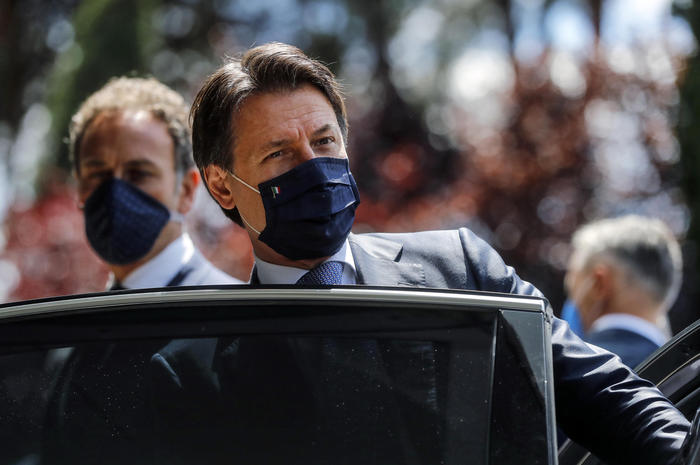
pixel 675 369
pixel 277 375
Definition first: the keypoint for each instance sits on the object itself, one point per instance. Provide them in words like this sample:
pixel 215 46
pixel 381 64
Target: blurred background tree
pixel 521 119
pixel 689 139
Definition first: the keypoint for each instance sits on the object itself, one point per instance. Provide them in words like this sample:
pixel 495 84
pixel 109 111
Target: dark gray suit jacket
pixel 600 402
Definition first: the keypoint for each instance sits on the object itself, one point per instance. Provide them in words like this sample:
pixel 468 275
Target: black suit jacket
pixel 600 402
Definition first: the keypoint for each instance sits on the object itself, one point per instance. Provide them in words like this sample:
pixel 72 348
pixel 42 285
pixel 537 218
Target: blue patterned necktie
pixel 327 273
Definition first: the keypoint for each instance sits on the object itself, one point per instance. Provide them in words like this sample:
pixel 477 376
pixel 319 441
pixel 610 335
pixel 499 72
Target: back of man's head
pixel 137 94
pixel 644 248
pixel 268 68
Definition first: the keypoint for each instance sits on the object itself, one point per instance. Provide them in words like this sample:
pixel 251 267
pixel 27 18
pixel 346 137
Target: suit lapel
pixel 377 263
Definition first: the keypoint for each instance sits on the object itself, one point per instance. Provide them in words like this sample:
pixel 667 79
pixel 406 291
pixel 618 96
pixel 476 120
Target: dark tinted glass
pixel 275 384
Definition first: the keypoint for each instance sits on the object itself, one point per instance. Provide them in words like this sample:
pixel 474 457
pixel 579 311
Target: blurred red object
pixel 47 245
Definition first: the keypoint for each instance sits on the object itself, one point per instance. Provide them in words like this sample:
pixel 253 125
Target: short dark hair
pixel 147 94
pixel 273 67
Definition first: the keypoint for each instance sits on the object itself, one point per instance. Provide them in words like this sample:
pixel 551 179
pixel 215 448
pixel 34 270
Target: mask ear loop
pixel 243 182
pixel 251 188
pixel 249 225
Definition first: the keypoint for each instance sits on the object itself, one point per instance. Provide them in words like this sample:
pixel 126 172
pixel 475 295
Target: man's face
pixel 131 146
pixel 135 147
pixel 275 132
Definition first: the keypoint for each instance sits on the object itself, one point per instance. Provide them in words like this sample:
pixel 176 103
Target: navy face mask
pixel 122 222
pixel 309 210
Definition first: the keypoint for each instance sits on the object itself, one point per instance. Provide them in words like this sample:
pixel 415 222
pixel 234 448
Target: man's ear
pixel 215 179
pixel 604 280
pixel 188 189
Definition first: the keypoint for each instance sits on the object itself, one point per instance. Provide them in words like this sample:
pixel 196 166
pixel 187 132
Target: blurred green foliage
pixel 688 133
pixel 112 38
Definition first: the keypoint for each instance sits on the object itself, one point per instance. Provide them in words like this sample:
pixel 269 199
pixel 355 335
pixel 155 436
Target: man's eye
pixel 325 140
pixel 275 154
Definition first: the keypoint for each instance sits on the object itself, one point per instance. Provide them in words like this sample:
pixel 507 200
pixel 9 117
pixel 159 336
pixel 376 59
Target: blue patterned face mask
pixel 122 222
pixel 309 210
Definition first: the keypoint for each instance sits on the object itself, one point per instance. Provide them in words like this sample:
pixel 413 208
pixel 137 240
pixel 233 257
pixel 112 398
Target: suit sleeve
pixel 600 402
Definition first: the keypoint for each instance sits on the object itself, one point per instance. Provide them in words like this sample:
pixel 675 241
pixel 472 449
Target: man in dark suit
pixel 269 137
pixel 623 276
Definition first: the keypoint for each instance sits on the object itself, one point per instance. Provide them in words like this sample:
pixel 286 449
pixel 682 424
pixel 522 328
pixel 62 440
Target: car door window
pixel 277 380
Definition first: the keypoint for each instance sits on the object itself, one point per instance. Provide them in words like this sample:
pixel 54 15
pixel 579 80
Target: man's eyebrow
pixel 322 130
pixel 140 162
pixel 273 144
pixel 99 162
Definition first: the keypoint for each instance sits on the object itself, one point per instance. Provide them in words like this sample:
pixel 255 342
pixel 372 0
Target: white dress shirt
pixel 269 273
pixel 631 323
pixel 162 268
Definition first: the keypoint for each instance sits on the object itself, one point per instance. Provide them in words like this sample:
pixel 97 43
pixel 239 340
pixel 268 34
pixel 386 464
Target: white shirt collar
pixel 631 323
pixel 270 273
pixel 158 271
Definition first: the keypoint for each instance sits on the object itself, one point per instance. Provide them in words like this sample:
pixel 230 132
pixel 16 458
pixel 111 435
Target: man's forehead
pixel 133 136
pixel 271 116
pixel 119 116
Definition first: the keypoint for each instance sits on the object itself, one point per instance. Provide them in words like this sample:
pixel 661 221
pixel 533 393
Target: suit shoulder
pixel 425 242
pixel 468 261
pixel 435 233
pixel 631 347
pixel 430 239
pixel 617 334
pixel 620 341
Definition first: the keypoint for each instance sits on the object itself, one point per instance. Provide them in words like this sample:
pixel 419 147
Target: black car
pixel 287 375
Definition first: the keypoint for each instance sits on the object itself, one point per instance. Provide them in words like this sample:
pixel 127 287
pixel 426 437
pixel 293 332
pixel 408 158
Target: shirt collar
pixel 631 323
pixel 270 273
pixel 159 270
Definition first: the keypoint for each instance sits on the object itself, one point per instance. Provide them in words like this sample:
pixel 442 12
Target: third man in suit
pixel 623 276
